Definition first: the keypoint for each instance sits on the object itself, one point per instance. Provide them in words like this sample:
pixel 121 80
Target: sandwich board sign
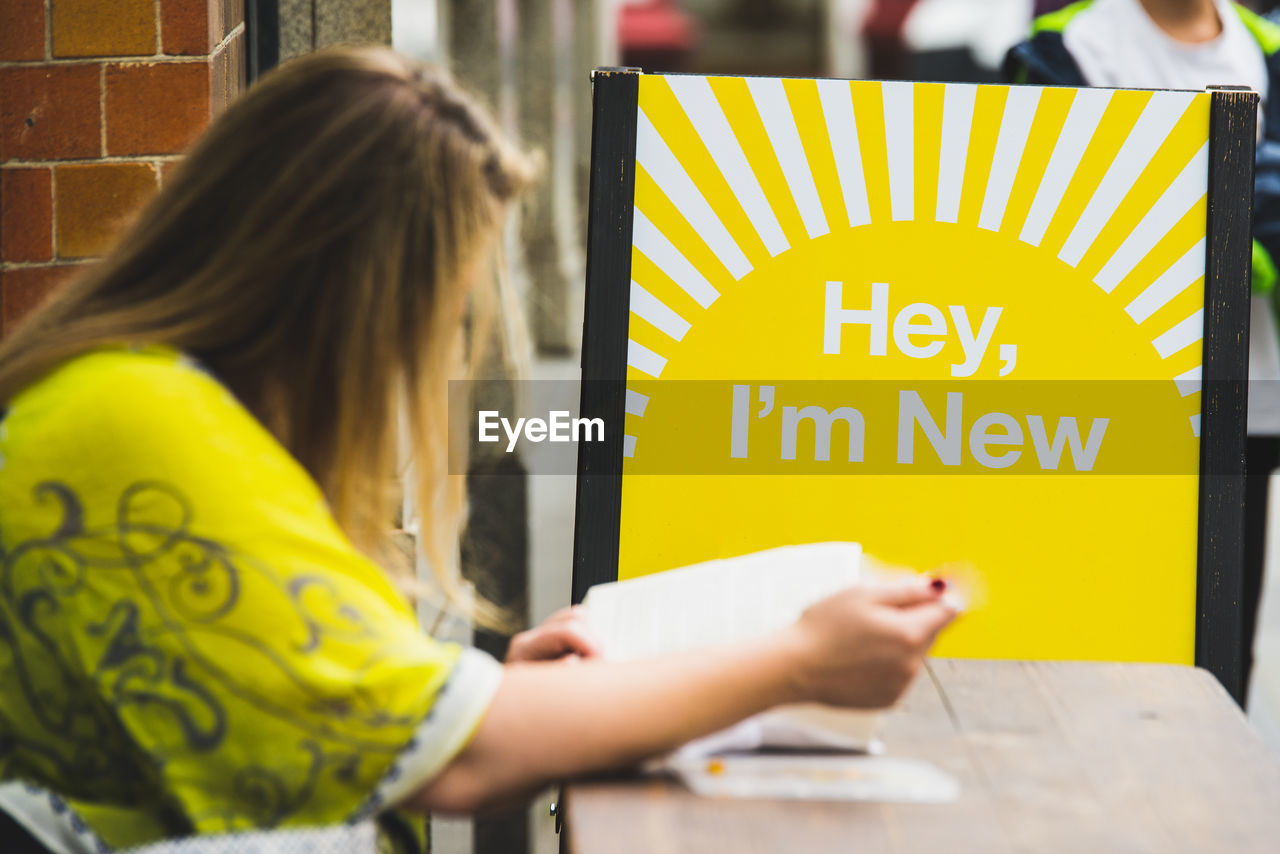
pixel 997 326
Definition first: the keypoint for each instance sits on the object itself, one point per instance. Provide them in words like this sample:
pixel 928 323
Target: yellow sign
pixel 954 323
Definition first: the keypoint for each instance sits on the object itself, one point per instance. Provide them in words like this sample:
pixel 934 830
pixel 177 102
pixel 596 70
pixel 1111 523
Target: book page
pixel 728 601
pixel 720 601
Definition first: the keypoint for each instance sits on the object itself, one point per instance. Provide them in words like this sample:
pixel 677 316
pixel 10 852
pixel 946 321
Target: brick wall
pixel 98 98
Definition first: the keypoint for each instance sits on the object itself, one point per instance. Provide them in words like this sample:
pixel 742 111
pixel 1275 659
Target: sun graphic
pixel 1072 220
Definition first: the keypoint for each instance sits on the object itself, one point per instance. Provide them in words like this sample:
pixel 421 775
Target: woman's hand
pixel 858 648
pixel 862 647
pixel 565 633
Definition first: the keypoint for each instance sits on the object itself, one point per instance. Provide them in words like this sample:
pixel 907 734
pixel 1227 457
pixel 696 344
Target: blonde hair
pixel 315 252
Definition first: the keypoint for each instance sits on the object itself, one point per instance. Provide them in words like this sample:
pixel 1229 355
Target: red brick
pixel 103 27
pixel 21 30
pixel 156 108
pixel 190 27
pixel 26 214
pixel 167 168
pixel 95 202
pixel 50 112
pixel 23 289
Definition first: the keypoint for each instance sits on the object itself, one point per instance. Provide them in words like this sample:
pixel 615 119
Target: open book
pixel 729 600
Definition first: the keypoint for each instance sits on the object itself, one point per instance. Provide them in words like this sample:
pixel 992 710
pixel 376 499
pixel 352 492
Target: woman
pixel 195 634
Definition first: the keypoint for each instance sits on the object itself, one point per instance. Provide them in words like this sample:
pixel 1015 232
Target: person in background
pixel 201 629
pixel 1171 44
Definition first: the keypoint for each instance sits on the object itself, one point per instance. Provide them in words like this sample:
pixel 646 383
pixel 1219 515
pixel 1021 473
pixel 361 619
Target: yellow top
pixel 188 642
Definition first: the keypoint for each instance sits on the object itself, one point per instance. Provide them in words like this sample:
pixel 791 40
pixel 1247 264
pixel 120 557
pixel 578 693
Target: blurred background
pixel 98 100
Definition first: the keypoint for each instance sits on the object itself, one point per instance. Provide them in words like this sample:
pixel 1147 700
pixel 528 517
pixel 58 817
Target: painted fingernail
pixel 938 585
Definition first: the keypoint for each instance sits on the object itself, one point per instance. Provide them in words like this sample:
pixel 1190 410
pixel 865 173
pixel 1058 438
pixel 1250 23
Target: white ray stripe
pixel 1015 125
pixel 654 310
pixel 1189 382
pixel 1188 188
pixel 1158 118
pixel 1187 388
pixel 1195 425
pixel 1082 121
pixel 836 97
pixel 642 358
pixel 1173 281
pixel 1183 334
pixel 628 445
pixel 780 126
pixel 700 105
pixel 655 246
pixel 899 137
pixel 957 116
pixel 657 159
pixel 635 403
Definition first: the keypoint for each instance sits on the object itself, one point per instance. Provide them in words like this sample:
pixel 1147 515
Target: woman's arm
pixel 860 648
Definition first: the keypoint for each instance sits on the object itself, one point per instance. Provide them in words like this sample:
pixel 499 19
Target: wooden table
pixel 1078 757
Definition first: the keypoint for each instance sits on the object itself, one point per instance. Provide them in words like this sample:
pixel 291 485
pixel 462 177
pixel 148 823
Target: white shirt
pixel 1116 43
